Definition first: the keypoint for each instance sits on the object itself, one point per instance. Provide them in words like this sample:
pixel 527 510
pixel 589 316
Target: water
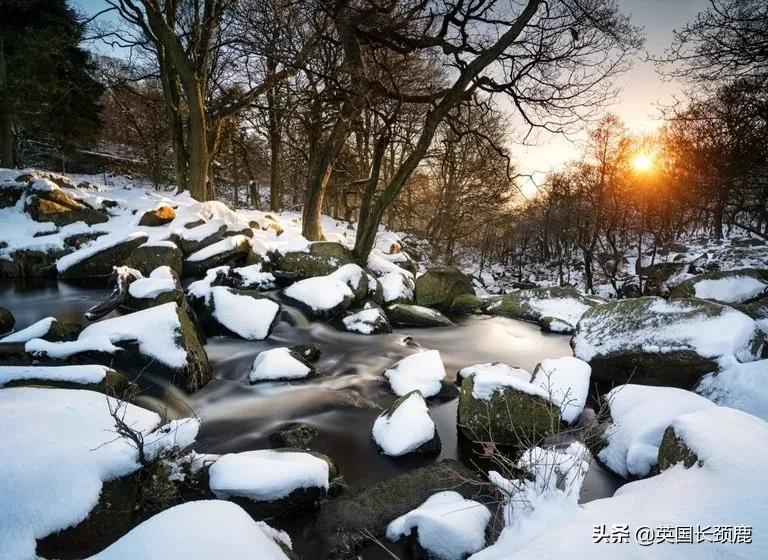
pixel 237 416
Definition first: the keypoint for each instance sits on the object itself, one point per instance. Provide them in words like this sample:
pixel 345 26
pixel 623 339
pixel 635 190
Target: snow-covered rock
pixel 743 386
pixel 640 414
pixel 447 526
pixel 307 260
pixel 729 286
pixel 38 329
pixel 355 278
pixel 406 315
pixel 406 427
pixel 371 319
pixel 494 369
pixel 98 258
pixel 556 309
pixel 279 364
pixel 231 250
pixel 422 371
pixel 321 297
pixel 566 380
pixel 200 530
pixel 162 279
pixel 670 342
pixel 82 375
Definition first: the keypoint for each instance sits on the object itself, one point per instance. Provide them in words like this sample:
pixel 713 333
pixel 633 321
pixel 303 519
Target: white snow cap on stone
pixel 406 429
pixel 63 350
pixel 486 382
pixel 267 475
pixel 84 374
pixel 104 242
pixel 362 321
pixel 732 289
pixel 448 526
pixel 640 414
pixel 277 363
pixel 201 530
pixel 496 368
pixel 567 381
pixel 743 386
pixel 244 315
pixel 160 280
pixel 320 292
pixel 422 371
pixel 222 246
pixel 35 330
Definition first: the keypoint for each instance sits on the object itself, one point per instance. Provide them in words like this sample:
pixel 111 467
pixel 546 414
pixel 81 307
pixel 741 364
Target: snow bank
pixel 743 386
pixel 249 317
pixel 566 380
pixel 84 375
pixel 267 475
pixel 423 371
pixel 406 428
pixel 320 293
pixel 35 330
pixel 448 526
pixel 277 363
pixel 640 414
pixel 201 530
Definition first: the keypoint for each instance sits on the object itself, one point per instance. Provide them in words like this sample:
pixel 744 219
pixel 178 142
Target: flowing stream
pixel 237 416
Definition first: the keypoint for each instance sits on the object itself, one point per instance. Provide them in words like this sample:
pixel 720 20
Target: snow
pixel 63 350
pixel 351 274
pixel 244 315
pixel 277 363
pixel 664 326
pixel 363 321
pixel 102 243
pixel 496 368
pixel 226 244
pixel 35 330
pixel 199 233
pixel 743 386
pixel 202 288
pixel 567 310
pixel 253 277
pixel 640 414
pixel 43 185
pixel 448 526
pixel 319 293
pixel 155 329
pixel 201 530
pixel 486 382
pixel 733 289
pixel 566 380
pixel 60 445
pixel 178 434
pixel 422 372
pixel 84 374
pixel 397 282
pixel 267 475
pixel 160 280
pixel 406 429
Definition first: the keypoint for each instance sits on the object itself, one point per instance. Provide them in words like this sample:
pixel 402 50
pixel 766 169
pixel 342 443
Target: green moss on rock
pixel 322 258
pixel 405 315
pixel 440 285
pixel 465 304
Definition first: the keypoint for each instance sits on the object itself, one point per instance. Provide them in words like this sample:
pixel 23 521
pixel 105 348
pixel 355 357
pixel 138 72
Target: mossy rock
pixel 7 321
pixel 517 305
pixel 297 435
pixel 58 207
pixel 323 258
pixel 556 325
pixel 26 263
pixel 159 216
pixel 509 418
pixel 147 257
pixel 657 274
pixel 189 246
pixel 440 285
pixel 62 331
pixel 102 262
pixel 687 289
pixel 673 451
pixel 466 304
pixel 405 315
pixel 234 256
pixel 347 523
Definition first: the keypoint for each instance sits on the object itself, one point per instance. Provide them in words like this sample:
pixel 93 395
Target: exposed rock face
pixel 296 435
pixel 100 262
pixel 10 193
pixel 673 451
pixel 675 342
pixel 147 257
pixel 158 217
pixel 348 522
pixel 440 285
pixel 510 417
pixel 7 321
pixel 404 315
pixel 30 263
pixel 58 207
pixel 323 258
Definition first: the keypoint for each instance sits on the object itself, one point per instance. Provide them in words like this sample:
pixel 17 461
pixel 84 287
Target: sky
pixel 642 90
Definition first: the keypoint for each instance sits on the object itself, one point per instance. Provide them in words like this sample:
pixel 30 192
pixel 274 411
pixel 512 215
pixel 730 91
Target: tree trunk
pixel 172 96
pixel 198 149
pixel 6 122
pixel 275 144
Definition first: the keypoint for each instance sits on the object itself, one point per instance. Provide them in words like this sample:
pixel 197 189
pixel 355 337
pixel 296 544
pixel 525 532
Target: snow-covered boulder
pixel 557 309
pixel 423 371
pixel 729 286
pixel 87 376
pixel 200 530
pixel 397 283
pixel 152 254
pixel 371 319
pixel 101 256
pixel 229 311
pixel 200 235
pixel 64 477
pixel 320 297
pixel 448 526
pixel 277 479
pixel 566 380
pixel 232 250
pixel 47 202
pixel 440 285
pixel 49 328
pixel 406 427
pixel 163 337
pixel 280 364
pixel 319 259
pixel 639 416
pixel 465 304
pixel 346 522
pixel 405 315
pixel 161 286
pixel 357 279
pixel 664 342
pixel 504 408
pixel 160 216
pixel 494 369
pixel 743 386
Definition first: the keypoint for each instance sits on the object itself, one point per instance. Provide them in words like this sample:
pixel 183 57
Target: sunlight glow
pixel 642 162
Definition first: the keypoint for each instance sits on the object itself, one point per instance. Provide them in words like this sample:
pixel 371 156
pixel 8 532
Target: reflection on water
pixel 238 416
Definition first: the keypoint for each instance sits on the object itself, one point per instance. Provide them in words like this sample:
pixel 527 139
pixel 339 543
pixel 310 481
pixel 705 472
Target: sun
pixel 642 162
